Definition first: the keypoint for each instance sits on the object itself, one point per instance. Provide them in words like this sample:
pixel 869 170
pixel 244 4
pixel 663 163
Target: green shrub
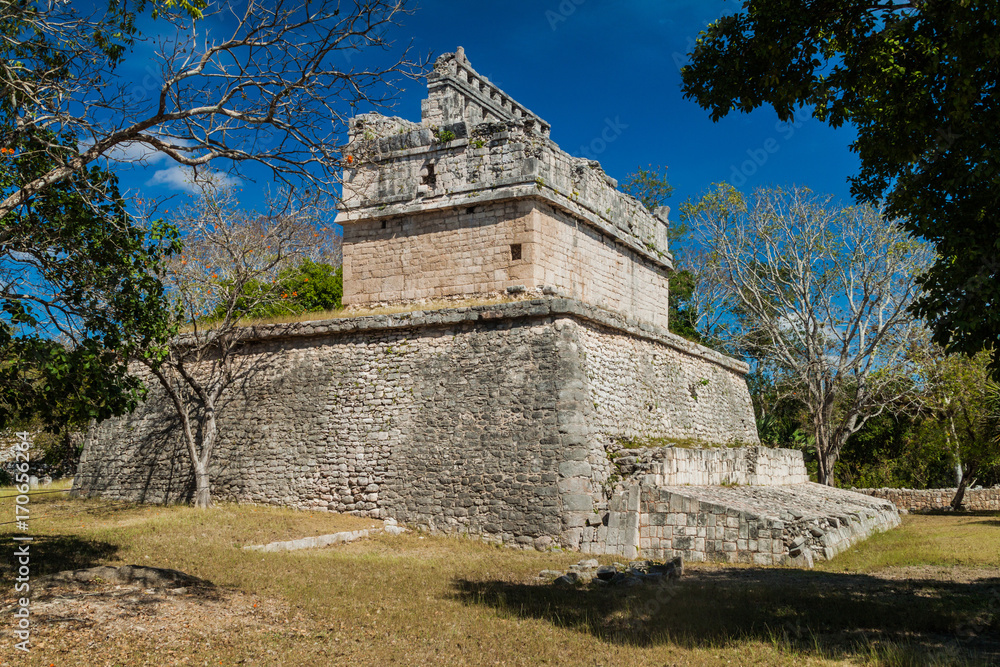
pixel 306 288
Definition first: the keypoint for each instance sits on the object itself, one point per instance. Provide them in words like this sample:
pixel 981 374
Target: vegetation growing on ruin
pixel 666 441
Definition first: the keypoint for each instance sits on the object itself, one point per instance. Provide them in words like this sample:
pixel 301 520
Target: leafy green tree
pixel 918 81
pixel 77 292
pixel 899 449
pixel 965 402
pixel 307 287
pixel 682 311
pixel 650 186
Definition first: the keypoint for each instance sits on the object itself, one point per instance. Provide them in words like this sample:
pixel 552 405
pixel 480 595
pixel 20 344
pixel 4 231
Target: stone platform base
pixel 763 525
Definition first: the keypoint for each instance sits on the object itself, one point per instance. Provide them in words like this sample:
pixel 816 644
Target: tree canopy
pixel 264 85
pixel 77 294
pixel 817 294
pixel 918 80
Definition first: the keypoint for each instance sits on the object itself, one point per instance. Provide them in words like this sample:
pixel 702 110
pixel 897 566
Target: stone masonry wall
pixel 720 466
pixel 641 388
pixel 510 146
pixel 467 252
pixel 456 252
pixel 467 420
pixel 921 500
pixel 447 184
pixel 765 525
pixel 587 264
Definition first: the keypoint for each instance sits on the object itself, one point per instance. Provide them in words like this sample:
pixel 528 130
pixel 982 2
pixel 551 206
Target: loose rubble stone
pixel 568 579
pixel 636 573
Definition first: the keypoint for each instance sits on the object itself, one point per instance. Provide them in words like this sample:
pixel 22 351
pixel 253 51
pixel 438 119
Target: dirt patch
pixel 87 608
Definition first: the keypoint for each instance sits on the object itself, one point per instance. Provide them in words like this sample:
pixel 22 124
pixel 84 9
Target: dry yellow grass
pixel 416 599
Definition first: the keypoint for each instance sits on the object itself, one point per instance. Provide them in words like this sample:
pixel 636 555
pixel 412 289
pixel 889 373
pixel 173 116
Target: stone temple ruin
pixel 516 420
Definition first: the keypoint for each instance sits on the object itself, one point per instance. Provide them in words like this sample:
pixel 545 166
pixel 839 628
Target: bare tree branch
pixel 275 89
pixel 817 293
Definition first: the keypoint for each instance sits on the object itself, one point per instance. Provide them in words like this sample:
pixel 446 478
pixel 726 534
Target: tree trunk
pixel 826 455
pixel 956 502
pixel 967 479
pixel 825 470
pixel 951 439
pixel 202 494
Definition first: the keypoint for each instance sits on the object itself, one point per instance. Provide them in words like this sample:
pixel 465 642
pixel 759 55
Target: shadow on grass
pixel 54 553
pixel 834 614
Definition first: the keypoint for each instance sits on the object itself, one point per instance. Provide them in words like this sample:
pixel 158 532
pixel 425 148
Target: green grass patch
pixel 967 540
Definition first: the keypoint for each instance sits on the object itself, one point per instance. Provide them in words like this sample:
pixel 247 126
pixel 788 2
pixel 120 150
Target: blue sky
pixel 585 65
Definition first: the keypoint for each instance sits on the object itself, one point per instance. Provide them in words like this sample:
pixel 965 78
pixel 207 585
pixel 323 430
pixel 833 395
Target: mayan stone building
pixel 527 417
pixel 476 199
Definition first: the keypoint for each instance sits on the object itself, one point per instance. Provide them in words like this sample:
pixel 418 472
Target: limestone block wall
pixel 454 428
pixel 470 251
pixel 922 500
pixel 457 93
pixel 719 466
pixel 642 388
pixel 448 182
pixel 585 263
pixel 775 525
pixel 412 171
pixel 455 252
pixel 467 420
pixel 492 141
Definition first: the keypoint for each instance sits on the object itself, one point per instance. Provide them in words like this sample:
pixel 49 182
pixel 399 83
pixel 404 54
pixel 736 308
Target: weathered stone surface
pixel 922 500
pixel 503 420
pixel 343 537
pixel 476 200
pixel 741 523
pixel 721 466
pixel 444 421
pixel 636 573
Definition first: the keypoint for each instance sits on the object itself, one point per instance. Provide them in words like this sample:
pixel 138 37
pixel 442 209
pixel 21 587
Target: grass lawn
pixel 926 593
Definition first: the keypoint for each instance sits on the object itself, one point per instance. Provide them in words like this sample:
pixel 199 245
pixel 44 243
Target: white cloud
pixel 183 178
pixel 137 152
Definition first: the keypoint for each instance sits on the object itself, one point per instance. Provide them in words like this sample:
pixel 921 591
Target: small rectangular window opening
pixel 430 180
pixel 383 224
pixel 515 251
